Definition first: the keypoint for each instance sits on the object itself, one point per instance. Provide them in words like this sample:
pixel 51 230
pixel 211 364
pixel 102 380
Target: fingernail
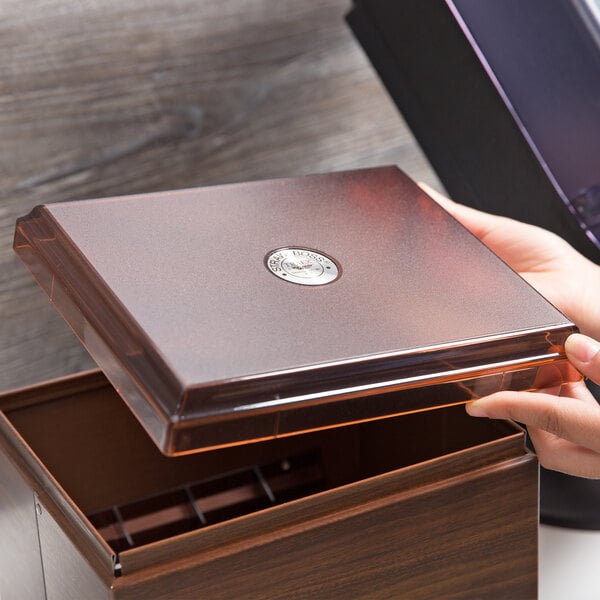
pixel 582 348
pixel 475 409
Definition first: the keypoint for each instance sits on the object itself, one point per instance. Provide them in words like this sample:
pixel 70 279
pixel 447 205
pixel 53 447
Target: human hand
pixel 564 428
pixel 566 278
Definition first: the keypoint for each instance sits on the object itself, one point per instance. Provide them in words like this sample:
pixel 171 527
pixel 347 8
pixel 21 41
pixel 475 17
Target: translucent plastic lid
pixel 250 311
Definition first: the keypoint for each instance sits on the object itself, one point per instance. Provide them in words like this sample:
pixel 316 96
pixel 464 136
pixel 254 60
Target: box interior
pixel 134 495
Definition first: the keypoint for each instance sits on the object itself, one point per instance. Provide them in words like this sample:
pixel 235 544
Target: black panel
pixel 476 144
pixel 457 115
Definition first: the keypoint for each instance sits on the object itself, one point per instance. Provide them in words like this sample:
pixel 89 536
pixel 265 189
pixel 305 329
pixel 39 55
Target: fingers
pixel 522 246
pixel 572 390
pixel 584 354
pixel 439 198
pixel 517 243
pixel 575 419
pixel 478 223
pixel 560 455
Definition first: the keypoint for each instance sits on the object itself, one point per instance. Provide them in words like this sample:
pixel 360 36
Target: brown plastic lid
pixel 256 310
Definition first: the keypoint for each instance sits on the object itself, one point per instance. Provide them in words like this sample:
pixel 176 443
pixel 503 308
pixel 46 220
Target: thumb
pixel 584 354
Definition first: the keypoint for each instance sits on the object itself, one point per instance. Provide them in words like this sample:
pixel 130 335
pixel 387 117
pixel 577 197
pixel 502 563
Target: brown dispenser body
pixel 322 449
pixel 425 505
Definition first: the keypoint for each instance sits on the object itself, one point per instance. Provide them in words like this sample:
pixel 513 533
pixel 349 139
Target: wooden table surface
pixel 104 98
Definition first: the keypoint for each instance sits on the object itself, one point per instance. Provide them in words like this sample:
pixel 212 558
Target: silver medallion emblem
pixel 302 265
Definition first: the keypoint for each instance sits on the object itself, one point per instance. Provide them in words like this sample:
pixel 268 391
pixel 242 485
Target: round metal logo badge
pixel 303 266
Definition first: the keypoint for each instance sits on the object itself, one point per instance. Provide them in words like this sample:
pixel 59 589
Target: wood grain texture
pixel 470 537
pixel 462 524
pixel 104 98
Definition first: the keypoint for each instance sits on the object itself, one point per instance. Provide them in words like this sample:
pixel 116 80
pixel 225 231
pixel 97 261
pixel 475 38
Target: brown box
pixel 302 348
pixel 426 505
